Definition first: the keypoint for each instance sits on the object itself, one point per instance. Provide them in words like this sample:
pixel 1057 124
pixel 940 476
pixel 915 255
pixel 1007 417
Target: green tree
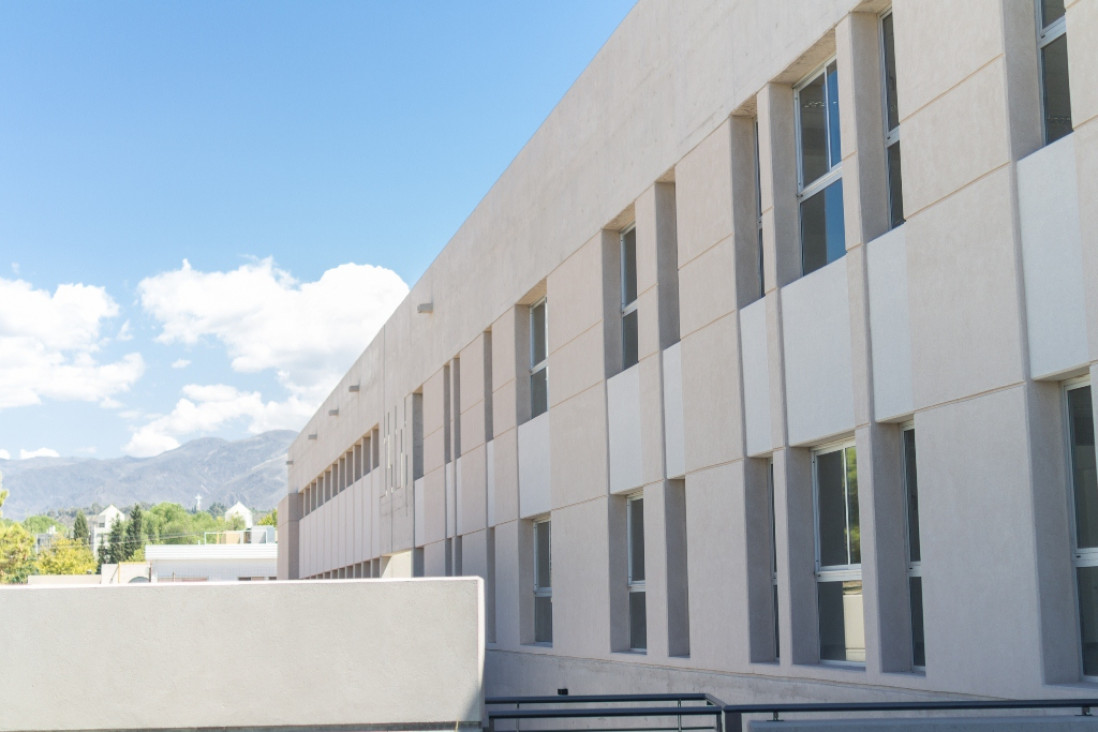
pixel 41 524
pixel 16 551
pixel 66 556
pixel 80 528
pixel 270 519
pixel 217 509
pixel 116 543
pixel 135 533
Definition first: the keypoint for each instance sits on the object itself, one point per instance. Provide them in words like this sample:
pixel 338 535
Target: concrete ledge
pixel 1036 723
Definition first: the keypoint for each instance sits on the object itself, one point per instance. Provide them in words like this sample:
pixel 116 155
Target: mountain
pixel 252 471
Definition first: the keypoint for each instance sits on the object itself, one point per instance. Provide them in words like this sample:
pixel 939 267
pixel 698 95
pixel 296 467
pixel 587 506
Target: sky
pixel 207 210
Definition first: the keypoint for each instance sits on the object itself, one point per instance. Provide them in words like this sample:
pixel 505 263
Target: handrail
pixel 733 713
pixel 602 698
pixel 552 708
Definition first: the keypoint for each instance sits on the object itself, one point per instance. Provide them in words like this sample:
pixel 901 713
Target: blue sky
pixel 184 186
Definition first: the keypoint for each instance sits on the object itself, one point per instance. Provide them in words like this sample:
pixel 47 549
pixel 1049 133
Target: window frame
pixel 541 366
pixel 773 555
pixel 891 133
pixel 1080 557
pixel 634 585
pixel 1047 34
pixel 851 572
pixel 542 590
pixel 914 568
pixel 628 308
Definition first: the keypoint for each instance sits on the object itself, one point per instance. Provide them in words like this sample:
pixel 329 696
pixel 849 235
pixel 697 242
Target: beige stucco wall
pixel 240 655
pixel 964 322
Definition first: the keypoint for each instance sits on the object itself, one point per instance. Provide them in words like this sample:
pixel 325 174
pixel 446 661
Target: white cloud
pixel 5 455
pixel 207 408
pixel 180 363
pixel 40 452
pixel 308 333
pixel 48 344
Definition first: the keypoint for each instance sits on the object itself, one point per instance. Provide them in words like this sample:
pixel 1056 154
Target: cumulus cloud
pixel 308 333
pixel 180 363
pixel 49 341
pixel 5 455
pixel 207 408
pixel 40 452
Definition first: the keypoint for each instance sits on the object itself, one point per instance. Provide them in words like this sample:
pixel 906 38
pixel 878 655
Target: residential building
pixel 99 526
pixel 765 369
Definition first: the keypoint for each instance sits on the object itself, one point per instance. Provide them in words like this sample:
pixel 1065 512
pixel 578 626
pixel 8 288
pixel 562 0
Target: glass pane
pixel 831 509
pixel 539 392
pixel 842 631
pixel 543 619
pixel 638 621
pixel 628 266
pixel 918 647
pixel 835 146
pixel 1088 617
pixel 537 334
pixel 911 485
pixel 629 351
pixel 636 540
pixel 1083 474
pixel 813 121
pixel 823 234
pixel 853 534
pixel 543 564
pixel 1051 11
pixel 892 106
pixel 777 633
pixel 895 187
pixel 1054 77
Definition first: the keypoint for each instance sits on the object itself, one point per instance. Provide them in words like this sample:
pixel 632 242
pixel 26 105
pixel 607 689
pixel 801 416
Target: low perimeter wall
pixel 381 654
pixel 1063 721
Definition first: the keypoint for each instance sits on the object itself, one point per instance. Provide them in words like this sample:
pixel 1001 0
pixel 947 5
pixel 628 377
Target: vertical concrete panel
pixel 818 376
pixel 674 439
pixel 534 467
pixel 580 601
pixel 711 394
pixel 890 326
pixel 756 378
pixel 578 437
pixel 623 416
pixel 1052 259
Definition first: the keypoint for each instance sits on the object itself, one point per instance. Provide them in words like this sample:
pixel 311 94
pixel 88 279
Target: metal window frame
pixel 541 590
pixel 1046 34
pixel 633 585
pixel 891 134
pixel 835 172
pixel 1080 558
pixel 542 365
pixel 631 306
pixel 832 572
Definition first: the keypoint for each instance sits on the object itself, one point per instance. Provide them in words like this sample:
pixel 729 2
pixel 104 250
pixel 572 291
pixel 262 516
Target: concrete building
pixel 245 514
pixel 99 526
pixel 230 562
pixel 715 396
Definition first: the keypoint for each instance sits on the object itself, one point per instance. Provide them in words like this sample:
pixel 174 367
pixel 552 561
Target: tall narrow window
pixel 543 583
pixel 914 555
pixel 539 358
pixel 629 330
pixel 820 192
pixel 892 123
pixel 759 212
pixel 773 557
pixel 1055 94
pixel 1080 416
pixel 839 556
pixel 638 615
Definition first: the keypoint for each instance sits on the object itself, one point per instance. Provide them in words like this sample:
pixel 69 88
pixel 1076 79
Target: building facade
pixel 765 368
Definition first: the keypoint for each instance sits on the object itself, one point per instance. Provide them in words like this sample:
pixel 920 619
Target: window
pixel 838 555
pixel 638 616
pixel 1055 94
pixel 543 584
pixel 820 185
pixel 892 123
pixel 1080 430
pixel 773 556
pixel 539 359
pixel 914 555
pixel 759 212
pixel 628 241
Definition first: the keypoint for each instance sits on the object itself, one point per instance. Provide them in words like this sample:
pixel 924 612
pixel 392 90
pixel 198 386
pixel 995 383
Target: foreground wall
pixel 240 655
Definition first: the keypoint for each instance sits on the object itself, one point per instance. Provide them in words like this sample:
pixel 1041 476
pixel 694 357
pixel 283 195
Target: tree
pixel 16 550
pixel 270 519
pixel 116 543
pixel 66 556
pixel 41 524
pixel 217 509
pixel 135 533
pixel 80 528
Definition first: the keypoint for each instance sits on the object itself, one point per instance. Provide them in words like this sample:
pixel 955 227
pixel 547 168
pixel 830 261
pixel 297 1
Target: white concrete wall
pixel 177 659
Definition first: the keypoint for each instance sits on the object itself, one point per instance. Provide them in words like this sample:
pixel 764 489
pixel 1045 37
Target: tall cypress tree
pixel 135 532
pixel 116 549
pixel 80 528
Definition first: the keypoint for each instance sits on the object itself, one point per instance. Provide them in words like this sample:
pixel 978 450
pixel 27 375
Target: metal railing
pixel 688 711
pixel 734 713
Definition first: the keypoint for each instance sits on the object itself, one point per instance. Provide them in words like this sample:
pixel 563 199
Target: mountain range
pixel 252 471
